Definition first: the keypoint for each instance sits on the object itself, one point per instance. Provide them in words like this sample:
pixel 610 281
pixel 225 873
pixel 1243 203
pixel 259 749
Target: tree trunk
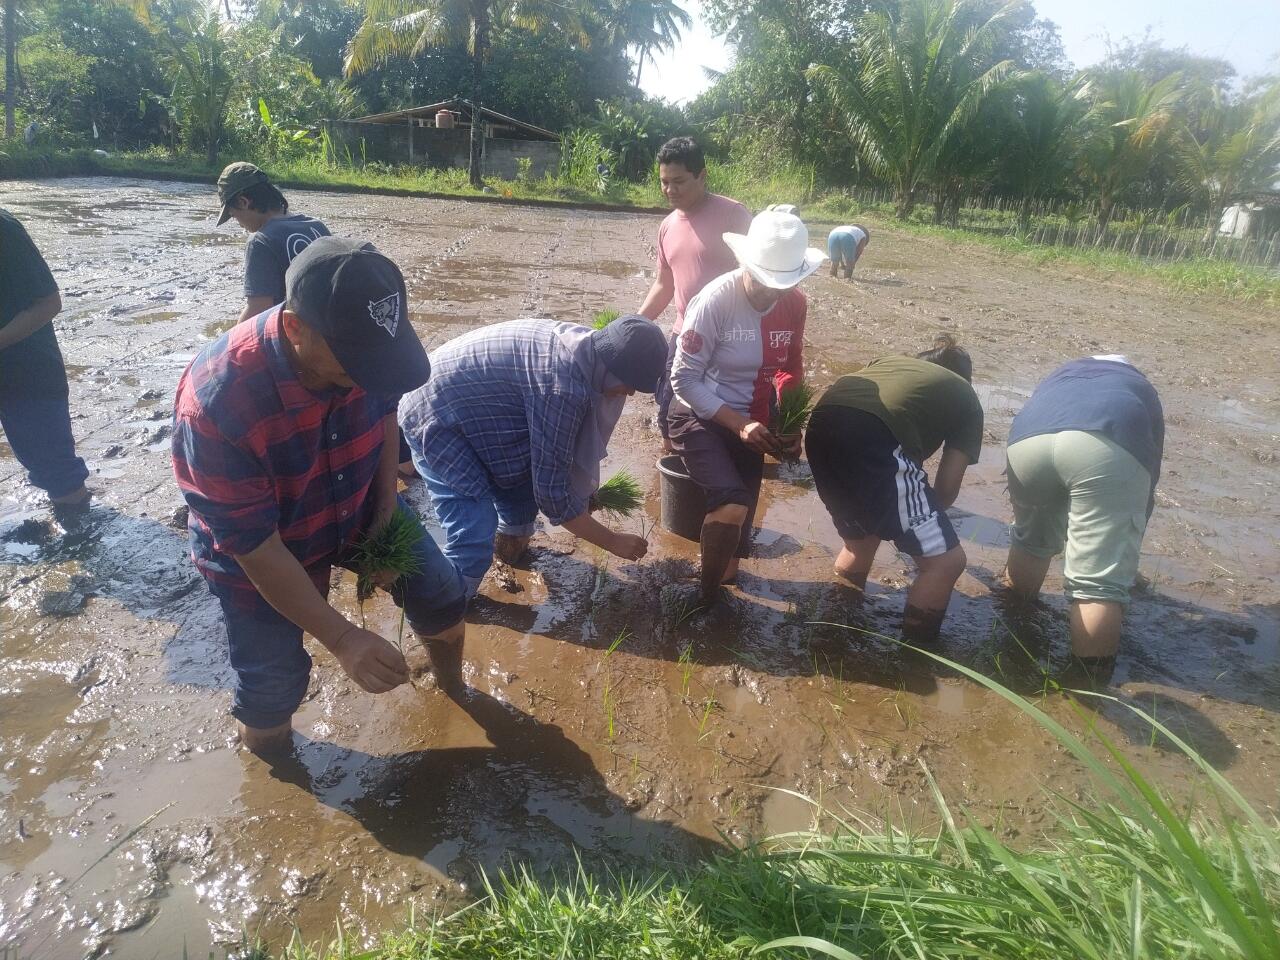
pixel 1217 205
pixel 10 63
pixel 939 205
pixel 1105 206
pixel 904 201
pixel 1024 215
pixel 640 66
pixel 951 208
pixel 479 52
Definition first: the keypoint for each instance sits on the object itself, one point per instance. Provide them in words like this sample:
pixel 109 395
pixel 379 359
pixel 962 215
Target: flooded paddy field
pixel 131 824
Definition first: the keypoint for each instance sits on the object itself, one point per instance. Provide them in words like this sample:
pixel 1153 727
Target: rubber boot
pixel 920 626
pixel 719 544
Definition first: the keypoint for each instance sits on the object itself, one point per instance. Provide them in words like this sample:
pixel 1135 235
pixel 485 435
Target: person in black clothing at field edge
pixel 33 380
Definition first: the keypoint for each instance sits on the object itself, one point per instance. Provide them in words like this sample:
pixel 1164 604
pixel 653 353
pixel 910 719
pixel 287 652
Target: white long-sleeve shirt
pixel 730 353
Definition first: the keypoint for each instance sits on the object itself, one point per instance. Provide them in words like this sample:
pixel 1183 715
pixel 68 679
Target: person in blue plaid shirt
pixel 515 420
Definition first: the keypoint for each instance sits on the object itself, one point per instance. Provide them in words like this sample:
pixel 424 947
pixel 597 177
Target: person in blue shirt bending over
pixel 844 247
pixel 515 420
pixel 1083 461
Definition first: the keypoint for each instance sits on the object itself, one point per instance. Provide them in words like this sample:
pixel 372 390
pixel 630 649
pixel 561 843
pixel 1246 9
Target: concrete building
pixel 1251 218
pixel 439 135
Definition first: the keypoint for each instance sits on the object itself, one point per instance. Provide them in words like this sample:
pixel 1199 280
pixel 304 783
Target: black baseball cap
pixel 634 349
pixel 354 297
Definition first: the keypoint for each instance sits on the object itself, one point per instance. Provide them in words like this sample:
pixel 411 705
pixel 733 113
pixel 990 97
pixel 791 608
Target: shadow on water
pixel 532 798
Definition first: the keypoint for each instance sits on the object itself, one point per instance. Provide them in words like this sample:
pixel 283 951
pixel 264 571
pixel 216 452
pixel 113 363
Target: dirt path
pixel 114 683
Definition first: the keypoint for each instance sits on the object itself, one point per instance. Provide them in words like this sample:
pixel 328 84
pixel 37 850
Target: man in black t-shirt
pixel 33 379
pixel 276 237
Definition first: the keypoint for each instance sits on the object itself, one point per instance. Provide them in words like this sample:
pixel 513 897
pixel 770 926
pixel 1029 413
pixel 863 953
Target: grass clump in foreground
pixel 1127 875
pixel 620 495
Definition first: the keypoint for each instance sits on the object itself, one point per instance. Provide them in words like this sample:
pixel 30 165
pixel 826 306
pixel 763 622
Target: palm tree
pixel 1130 117
pixel 1047 131
pixel 199 55
pixel 10 63
pixel 655 25
pixel 1234 150
pixel 923 73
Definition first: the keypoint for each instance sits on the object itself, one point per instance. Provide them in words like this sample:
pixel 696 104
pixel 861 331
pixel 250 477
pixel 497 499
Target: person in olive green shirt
pixel 867 441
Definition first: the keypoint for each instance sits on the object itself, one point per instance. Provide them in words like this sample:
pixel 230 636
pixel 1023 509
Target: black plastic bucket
pixel 683 503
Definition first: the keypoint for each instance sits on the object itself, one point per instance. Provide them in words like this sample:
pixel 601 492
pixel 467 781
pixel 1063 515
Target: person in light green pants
pixel 1083 462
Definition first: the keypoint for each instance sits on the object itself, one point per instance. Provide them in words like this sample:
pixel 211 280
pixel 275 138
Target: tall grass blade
pixel 815 944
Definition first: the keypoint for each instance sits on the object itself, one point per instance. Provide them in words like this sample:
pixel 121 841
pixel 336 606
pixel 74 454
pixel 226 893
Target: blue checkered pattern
pixel 503 407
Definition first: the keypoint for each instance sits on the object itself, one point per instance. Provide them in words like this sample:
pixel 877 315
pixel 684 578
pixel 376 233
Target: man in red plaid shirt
pixel 285 447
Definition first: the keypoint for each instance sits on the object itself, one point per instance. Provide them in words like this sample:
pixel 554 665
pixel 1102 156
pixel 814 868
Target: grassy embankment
pixel 1126 874
pixel 1196 277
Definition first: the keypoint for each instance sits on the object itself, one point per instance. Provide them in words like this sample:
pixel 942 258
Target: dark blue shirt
pixel 270 251
pixel 33 365
pixel 1098 396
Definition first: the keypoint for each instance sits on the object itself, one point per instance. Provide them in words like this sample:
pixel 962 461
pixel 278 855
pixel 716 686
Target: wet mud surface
pixel 600 726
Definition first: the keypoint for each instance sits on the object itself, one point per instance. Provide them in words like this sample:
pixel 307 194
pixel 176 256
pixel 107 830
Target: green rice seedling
pixel 707 707
pixel 794 407
pixel 609 701
pixel 623 635
pixel 686 670
pixel 603 318
pixel 620 495
pixel 391 550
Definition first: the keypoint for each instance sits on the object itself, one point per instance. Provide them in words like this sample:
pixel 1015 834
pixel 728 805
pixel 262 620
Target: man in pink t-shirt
pixel 691 248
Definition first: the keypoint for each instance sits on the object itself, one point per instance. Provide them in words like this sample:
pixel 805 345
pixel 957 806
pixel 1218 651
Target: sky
pixel 1244 32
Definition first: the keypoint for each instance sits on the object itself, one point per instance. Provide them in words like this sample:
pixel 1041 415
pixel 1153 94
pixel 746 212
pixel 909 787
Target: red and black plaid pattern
pixel 254 451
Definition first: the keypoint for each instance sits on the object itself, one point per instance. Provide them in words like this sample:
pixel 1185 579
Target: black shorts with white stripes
pixel 870 487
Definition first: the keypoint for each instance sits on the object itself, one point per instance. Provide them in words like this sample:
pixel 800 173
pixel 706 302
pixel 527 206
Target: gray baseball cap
pixel 235 179
pixel 355 298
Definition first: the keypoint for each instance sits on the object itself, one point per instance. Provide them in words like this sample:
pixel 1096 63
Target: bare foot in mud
pixel 269 743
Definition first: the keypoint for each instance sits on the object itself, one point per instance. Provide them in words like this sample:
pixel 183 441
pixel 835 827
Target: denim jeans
pixel 34 414
pixel 272 666
pixel 470 523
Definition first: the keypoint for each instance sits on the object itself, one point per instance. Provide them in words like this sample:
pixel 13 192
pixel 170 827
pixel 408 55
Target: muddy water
pixel 131 824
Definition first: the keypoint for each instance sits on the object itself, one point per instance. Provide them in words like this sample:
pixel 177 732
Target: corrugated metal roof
pixel 455 103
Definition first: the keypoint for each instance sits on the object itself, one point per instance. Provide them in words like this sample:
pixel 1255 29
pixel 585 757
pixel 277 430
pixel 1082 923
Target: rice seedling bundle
pixel 390 549
pixel 620 495
pixel 604 317
pixel 794 407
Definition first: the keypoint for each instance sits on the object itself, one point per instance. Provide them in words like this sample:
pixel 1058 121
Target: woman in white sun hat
pixel 740 348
